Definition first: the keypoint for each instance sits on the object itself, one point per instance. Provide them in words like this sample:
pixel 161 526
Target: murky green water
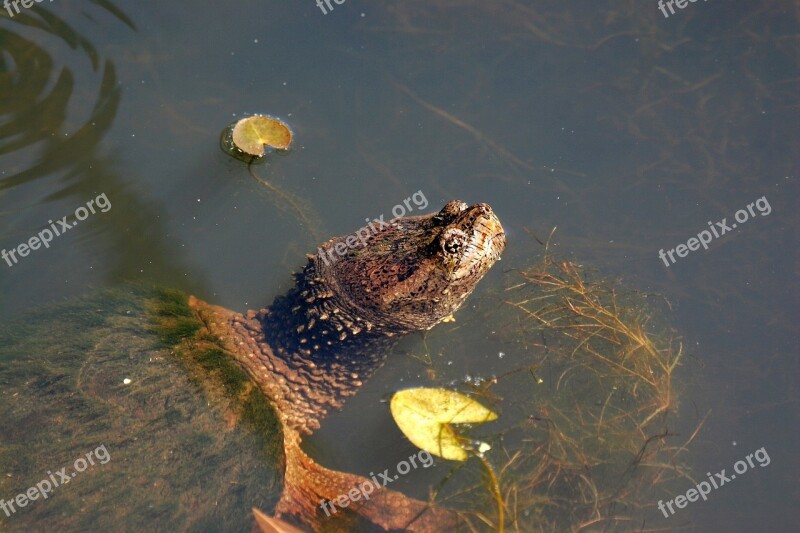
pixel 627 130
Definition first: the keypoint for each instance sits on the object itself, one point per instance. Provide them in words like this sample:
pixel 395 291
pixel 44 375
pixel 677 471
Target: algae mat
pixel 178 457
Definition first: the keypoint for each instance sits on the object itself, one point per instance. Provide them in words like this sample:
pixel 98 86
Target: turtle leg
pixel 308 485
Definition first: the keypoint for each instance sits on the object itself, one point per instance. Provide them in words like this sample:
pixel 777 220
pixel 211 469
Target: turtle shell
pixel 121 370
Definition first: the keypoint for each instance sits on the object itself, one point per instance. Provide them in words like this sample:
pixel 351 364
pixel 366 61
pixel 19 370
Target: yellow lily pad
pixel 251 134
pixel 424 416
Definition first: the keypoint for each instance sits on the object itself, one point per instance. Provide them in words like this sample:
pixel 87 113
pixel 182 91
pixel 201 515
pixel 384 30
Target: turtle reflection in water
pixel 279 371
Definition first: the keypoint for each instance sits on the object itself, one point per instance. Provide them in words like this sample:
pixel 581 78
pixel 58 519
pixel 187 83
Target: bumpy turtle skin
pixel 315 346
pixel 306 483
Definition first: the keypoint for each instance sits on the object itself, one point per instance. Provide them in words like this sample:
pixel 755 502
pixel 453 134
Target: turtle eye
pixel 452 247
pixel 453 241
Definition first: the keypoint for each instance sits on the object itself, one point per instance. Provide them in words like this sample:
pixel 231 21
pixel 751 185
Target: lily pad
pixel 251 134
pixel 424 416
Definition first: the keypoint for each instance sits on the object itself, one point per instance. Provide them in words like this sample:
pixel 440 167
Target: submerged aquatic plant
pixel 601 438
pixel 585 415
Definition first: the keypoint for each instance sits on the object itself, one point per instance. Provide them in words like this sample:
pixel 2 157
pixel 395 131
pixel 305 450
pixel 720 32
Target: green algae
pixel 205 358
pixel 172 318
pixel 184 450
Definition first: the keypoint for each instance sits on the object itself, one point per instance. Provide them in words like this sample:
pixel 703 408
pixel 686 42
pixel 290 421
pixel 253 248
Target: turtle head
pixel 411 272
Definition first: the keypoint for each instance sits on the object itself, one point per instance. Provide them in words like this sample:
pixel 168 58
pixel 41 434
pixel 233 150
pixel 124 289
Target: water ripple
pixel 39 94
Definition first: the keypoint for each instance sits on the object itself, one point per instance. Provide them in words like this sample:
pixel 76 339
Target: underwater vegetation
pixel 589 440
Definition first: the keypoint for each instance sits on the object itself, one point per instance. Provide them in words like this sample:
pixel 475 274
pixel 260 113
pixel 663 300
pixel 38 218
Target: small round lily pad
pixel 252 133
pixel 248 138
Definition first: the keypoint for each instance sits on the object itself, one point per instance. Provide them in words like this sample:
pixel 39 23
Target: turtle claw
pixel 271 524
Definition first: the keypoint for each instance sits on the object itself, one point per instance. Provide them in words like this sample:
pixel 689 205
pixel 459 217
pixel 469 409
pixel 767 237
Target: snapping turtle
pixel 281 368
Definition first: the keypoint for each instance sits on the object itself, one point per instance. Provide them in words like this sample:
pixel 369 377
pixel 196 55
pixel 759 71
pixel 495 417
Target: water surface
pixel 627 130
